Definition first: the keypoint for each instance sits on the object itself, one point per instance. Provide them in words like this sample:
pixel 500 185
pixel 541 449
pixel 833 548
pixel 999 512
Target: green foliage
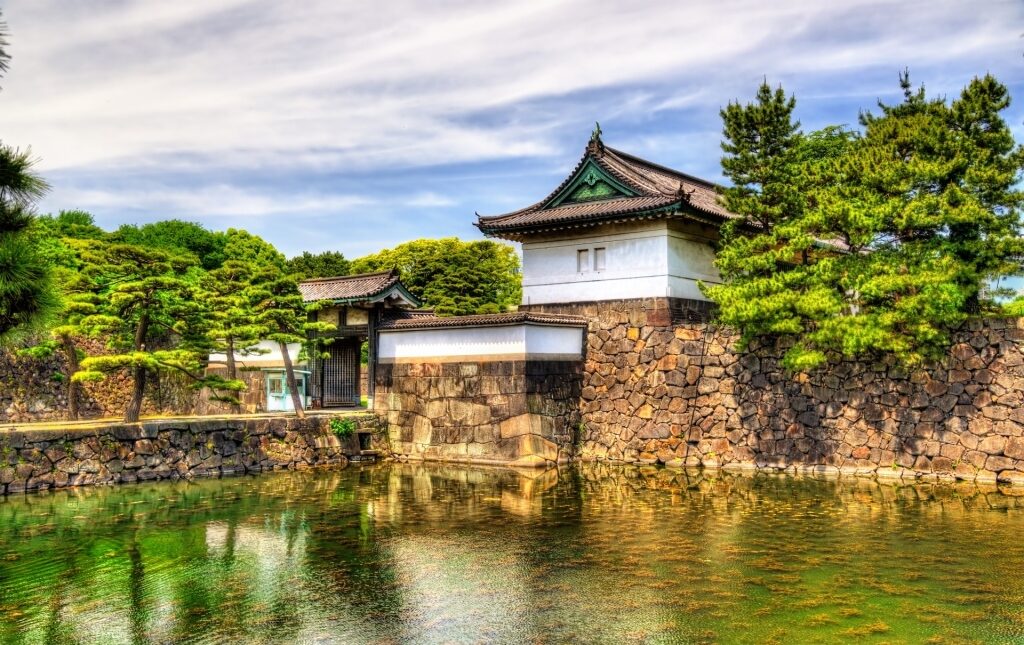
pixel 342 427
pixel 148 312
pixel 452 276
pixel 28 296
pixel 176 238
pixel 229 298
pixel 75 224
pixel 1014 308
pixel 243 245
pixel 856 244
pixel 279 313
pixel 319 265
pixel 760 143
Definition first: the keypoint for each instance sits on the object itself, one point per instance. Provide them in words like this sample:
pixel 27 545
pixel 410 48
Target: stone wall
pixel 523 412
pixel 252 400
pixel 56 457
pixel 655 391
pixel 33 389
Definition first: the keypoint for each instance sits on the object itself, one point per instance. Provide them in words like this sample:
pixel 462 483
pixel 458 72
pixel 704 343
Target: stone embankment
pixel 109 453
pixel 516 412
pixel 658 391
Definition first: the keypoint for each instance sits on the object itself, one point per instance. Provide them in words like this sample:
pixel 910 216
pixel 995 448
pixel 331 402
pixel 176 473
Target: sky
pixel 354 126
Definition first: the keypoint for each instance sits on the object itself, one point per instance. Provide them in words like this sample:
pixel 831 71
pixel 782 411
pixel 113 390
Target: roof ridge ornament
pixel 595 146
pixel 684 194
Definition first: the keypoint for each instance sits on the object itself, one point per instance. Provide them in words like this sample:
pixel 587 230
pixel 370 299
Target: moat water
pixel 421 554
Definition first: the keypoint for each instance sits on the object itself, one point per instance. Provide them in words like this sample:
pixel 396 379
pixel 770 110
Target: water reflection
pixel 419 553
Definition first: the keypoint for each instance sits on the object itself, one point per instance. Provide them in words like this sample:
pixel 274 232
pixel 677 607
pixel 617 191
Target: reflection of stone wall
pixel 168 449
pixel 680 395
pixel 520 412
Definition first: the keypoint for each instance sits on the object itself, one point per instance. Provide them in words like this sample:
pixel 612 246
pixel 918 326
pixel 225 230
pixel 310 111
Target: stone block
pixel 997 464
pixel 422 430
pixel 1014 448
pixel 992 445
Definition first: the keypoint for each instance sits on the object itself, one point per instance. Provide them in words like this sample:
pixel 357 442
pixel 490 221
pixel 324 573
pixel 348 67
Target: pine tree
pixel 227 299
pixel 27 294
pixel 898 232
pixel 927 206
pixel 145 295
pixel 279 313
pixel 762 288
pixel 284 318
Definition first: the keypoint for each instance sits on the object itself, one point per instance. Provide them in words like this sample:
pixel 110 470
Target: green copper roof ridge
pixel 580 176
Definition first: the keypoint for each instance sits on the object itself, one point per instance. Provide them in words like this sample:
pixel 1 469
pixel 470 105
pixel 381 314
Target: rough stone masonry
pixel 518 412
pixel 658 390
pixel 110 453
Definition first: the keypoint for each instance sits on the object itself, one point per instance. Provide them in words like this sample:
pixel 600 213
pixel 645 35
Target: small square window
pixel 582 260
pixel 276 385
pixel 599 259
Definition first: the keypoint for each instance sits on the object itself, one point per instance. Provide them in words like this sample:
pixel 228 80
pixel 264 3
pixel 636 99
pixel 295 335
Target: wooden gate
pixel 341 373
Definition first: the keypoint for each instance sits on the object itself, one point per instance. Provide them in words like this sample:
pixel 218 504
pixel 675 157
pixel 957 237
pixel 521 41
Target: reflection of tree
pixel 138 613
pixel 437 552
pixel 57 629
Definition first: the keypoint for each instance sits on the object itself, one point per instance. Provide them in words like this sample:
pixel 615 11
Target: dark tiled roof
pixel 484 320
pixel 660 192
pixel 403 314
pixel 349 287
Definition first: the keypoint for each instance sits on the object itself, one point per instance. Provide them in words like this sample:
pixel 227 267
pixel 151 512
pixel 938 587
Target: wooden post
pixel 371 354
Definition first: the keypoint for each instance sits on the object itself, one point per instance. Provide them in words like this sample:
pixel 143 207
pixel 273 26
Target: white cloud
pixel 430 200
pixel 176 109
pixel 218 201
pixel 328 84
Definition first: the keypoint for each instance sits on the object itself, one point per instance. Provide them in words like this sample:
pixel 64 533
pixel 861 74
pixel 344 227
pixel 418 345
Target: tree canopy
pixel 27 293
pixel 327 264
pixel 452 276
pixel 146 297
pixel 177 237
pixel 859 243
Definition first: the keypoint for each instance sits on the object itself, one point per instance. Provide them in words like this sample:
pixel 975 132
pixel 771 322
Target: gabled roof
pixel 608 185
pixel 361 288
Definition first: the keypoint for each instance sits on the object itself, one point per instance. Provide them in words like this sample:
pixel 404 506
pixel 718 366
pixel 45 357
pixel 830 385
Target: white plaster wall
pixel 550 341
pixel 691 257
pixel 636 266
pixel 512 340
pixel 643 260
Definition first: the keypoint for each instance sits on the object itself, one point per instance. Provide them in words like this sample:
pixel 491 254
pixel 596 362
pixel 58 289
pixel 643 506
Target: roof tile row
pixel 350 287
pixel 483 320
pixel 660 191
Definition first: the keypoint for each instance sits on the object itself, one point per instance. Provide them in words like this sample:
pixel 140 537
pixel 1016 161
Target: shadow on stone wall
pixel 34 389
pixel 678 394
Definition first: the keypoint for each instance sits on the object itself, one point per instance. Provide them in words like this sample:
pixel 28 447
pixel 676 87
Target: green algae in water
pixel 402 553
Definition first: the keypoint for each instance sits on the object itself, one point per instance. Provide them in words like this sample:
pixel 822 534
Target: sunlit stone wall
pixel 522 413
pixel 657 389
pixel 483 391
pixel 111 453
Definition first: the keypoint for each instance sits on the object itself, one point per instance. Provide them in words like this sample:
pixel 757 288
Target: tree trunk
pixel 134 409
pixel 74 389
pixel 236 408
pixel 289 374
